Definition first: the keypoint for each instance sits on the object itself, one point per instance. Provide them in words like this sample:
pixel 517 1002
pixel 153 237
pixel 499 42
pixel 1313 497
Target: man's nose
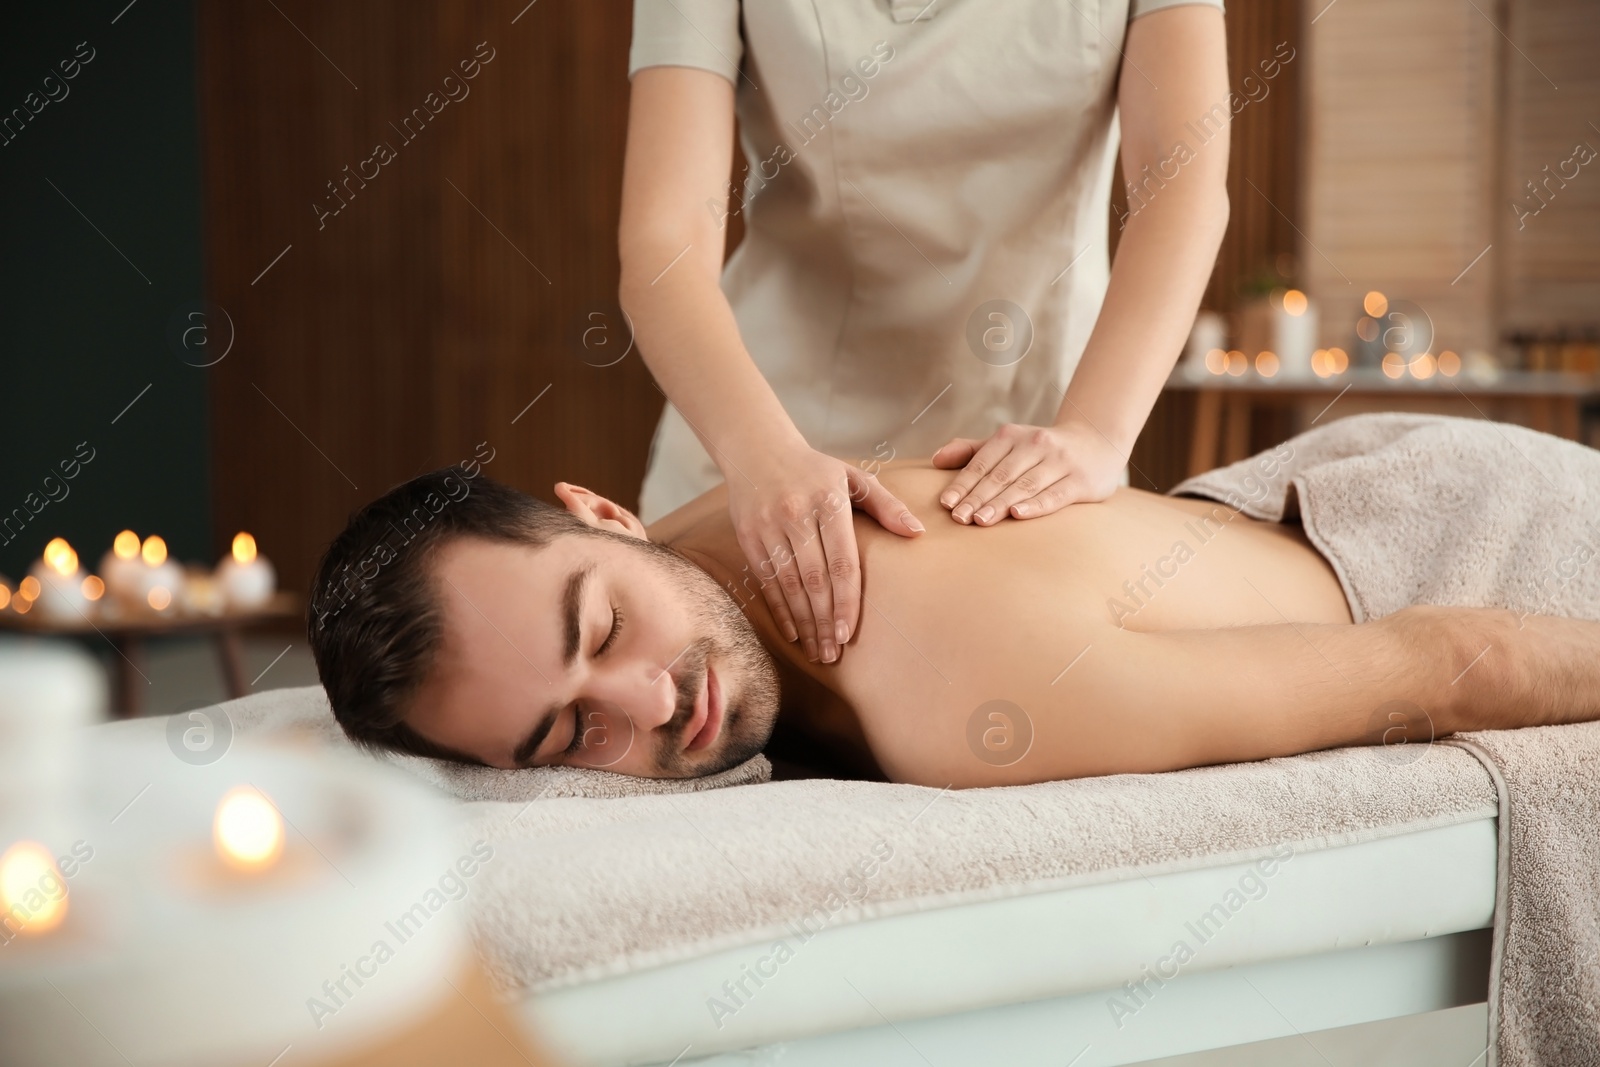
pixel 645 691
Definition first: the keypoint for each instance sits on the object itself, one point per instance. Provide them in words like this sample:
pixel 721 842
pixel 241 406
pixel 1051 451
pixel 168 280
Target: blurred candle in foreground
pixel 121 568
pixel 158 576
pixel 32 892
pixel 248 831
pixel 247 579
pixel 60 586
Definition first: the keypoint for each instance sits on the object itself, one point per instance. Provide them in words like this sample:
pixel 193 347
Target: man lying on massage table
pixel 458 618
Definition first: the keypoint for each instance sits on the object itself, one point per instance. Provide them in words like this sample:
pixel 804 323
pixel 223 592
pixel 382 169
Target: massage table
pixel 613 914
pixel 1348 934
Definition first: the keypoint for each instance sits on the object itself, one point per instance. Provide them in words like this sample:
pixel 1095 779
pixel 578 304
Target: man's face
pixel 606 652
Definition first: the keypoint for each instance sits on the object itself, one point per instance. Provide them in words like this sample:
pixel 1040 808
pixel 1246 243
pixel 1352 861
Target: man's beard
pixel 747 677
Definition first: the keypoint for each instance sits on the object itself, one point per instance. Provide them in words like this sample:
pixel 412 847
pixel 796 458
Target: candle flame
pixel 1449 363
pixel 93 588
pixel 247 830
pixel 28 588
pixel 126 546
pixel 1375 304
pixel 59 557
pixel 5 597
pixel 154 551
pixel 32 891
pixel 159 597
pixel 1266 364
pixel 1294 302
pixel 244 548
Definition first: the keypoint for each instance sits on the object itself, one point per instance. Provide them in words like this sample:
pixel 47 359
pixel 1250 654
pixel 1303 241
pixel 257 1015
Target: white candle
pixel 60 585
pixel 121 568
pixel 160 580
pixel 1209 333
pixel 246 577
pixel 1295 335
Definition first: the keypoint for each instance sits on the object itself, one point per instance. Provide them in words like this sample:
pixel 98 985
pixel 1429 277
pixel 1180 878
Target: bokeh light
pixel 247 830
pixel 32 891
pixel 126 546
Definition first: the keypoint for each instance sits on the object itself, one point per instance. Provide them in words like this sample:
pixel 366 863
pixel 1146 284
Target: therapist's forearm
pixel 688 337
pixel 1164 260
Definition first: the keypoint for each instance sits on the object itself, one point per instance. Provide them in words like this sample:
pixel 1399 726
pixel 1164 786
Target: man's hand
pixel 1028 471
pixel 792 519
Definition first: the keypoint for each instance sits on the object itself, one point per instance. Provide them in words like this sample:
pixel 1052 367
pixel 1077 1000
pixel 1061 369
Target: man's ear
pixel 600 512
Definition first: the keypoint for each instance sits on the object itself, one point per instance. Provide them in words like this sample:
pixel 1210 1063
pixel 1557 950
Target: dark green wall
pixel 82 329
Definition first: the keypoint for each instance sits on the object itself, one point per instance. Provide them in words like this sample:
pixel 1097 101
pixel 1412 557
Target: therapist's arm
pixel 790 505
pixel 1164 259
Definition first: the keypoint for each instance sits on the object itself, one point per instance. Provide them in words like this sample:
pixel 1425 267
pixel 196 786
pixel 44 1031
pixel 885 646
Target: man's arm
pixel 1197 697
pixel 1146 702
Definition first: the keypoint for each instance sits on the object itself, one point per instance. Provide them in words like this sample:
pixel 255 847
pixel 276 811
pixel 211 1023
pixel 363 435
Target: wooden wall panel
pixel 1401 100
pixel 1551 237
pixel 454 287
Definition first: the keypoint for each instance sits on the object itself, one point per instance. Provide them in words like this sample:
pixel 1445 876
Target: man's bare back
pixel 1104 638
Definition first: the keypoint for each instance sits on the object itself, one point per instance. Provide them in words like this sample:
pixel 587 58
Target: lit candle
pixel 121 569
pixel 247 579
pixel 1295 335
pixel 32 891
pixel 160 578
pixel 247 830
pixel 60 585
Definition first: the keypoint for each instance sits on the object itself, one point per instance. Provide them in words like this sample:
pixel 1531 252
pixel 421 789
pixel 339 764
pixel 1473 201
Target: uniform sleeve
pixel 1135 9
pixel 687 33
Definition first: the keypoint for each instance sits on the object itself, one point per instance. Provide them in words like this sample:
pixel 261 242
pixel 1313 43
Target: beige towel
pixel 1429 509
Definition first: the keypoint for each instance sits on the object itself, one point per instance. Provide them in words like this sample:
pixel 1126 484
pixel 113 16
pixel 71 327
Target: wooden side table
pixel 128 634
pixel 1552 401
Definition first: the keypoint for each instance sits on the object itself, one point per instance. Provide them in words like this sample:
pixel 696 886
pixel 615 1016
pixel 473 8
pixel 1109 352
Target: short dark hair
pixel 374 623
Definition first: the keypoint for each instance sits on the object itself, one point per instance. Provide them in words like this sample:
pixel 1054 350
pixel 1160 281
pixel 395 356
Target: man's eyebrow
pixel 571 603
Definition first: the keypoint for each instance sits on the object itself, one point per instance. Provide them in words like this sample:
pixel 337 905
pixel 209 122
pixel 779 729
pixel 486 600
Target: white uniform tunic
pixel 925 215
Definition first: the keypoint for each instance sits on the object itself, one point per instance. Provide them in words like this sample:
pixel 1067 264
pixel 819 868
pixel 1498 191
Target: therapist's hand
pixel 792 517
pixel 1028 471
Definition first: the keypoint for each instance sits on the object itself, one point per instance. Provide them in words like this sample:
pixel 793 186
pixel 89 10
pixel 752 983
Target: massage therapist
pixel 924 266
